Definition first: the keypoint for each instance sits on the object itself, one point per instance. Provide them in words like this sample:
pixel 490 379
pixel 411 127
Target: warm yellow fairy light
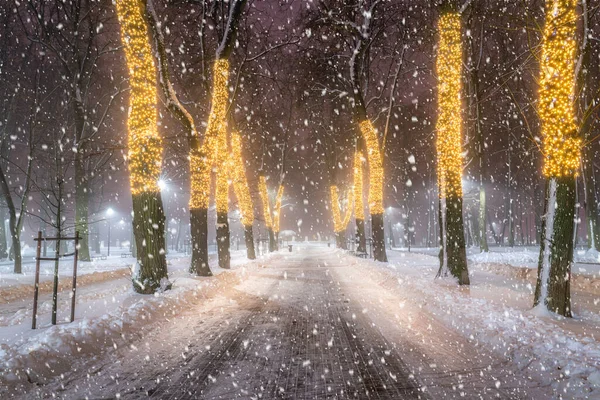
pixel 359 206
pixel 375 167
pixel 200 169
pixel 240 183
pixel 340 224
pixel 145 145
pixel 277 211
pixel 222 188
pixel 202 161
pixel 449 123
pixel 562 146
pixel 216 127
pixel 264 196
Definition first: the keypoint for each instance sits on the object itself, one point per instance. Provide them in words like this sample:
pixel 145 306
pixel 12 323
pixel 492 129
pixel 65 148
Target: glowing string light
pixel 145 145
pixel 340 224
pixel 277 211
pixel 240 183
pixel 202 160
pixel 375 167
pixel 359 206
pixel 561 145
pixel 449 72
pixel 264 196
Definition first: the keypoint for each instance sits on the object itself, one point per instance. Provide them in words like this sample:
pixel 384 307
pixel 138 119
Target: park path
pixel 310 325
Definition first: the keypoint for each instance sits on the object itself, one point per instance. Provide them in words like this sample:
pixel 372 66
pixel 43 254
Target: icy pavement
pixel 315 323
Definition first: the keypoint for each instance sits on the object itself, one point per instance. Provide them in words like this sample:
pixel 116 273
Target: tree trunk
pixel 149 230
pixel 454 237
pixel 591 202
pixel 223 240
pixel 483 243
pixel 199 239
pixel 82 208
pixel 249 238
pixel 360 236
pixel 272 241
pixel 16 250
pixel 340 240
pixel 556 250
pixel 3 242
pixel 379 253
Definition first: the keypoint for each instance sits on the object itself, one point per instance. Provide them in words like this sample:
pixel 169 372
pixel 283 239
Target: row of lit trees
pixel 561 150
pixel 217 159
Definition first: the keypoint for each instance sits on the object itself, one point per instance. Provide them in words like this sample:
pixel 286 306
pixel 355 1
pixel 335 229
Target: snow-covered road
pixel 310 324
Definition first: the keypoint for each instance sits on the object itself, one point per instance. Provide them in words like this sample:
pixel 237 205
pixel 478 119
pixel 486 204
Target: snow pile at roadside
pixel 587 262
pixel 539 346
pixel 50 351
pixel 589 256
pixel 517 258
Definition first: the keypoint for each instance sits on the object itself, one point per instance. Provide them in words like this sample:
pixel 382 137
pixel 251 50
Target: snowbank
pixel 110 321
pixel 541 345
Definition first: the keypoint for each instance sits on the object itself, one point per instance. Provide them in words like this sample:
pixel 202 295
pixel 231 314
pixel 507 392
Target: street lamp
pixel 109 213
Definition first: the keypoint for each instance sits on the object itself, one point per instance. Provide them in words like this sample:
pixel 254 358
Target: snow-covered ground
pixel 107 311
pixel 494 315
pixel 496 312
pixel 586 262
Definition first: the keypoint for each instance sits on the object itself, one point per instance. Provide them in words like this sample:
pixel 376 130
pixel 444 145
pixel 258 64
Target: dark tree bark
pixel 455 240
pixel 3 245
pixel 149 230
pixel 554 283
pixel 199 238
pixel 249 238
pixel 360 236
pixel 272 241
pixel 223 240
pixel 379 253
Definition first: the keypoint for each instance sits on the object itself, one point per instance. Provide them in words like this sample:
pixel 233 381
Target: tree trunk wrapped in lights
pixel 201 163
pixel 222 201
pixel 200 167
pixel 375 188
pixel 264 196
pixel 453 256
pixel 562 149
pixel 339 224
pixel 277 215
pixel 145 150
pixel 242 192
pixel 359 205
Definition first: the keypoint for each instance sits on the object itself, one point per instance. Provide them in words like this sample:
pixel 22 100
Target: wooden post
pixel 76 255
pixel 37 279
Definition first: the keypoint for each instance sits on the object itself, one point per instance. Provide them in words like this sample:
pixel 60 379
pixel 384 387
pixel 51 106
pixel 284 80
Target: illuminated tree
pixel 359 205
pixel 242 192
pixel 561 151
pixel 453 257
pixel 339 223
pixel 277 211
pixel 369 135
pixel 200 166
pixel 145 150
pixel 222 199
